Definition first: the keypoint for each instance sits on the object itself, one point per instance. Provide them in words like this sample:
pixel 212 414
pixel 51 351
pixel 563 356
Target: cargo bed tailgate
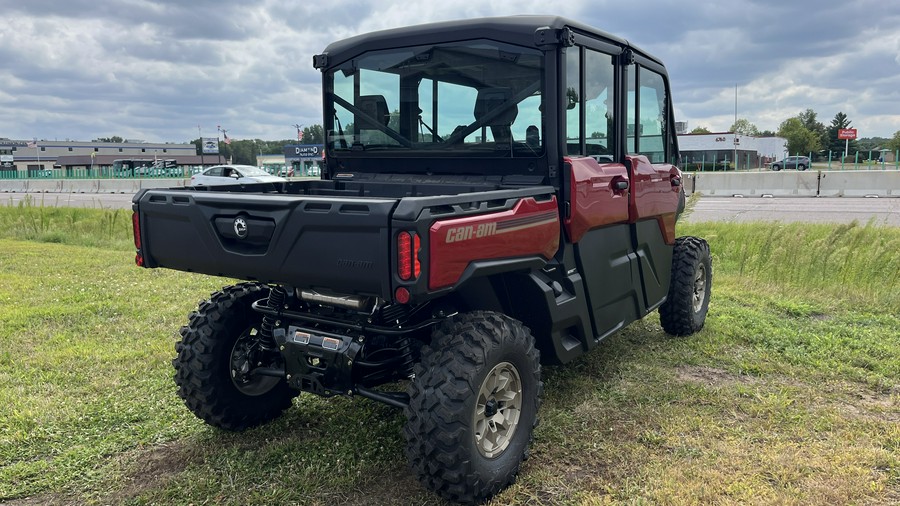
pixel 337 244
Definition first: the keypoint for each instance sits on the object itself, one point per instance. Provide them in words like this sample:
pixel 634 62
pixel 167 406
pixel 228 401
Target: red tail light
pixel 136 229
pixel 404 256
pixel 417 245
pixel 408 246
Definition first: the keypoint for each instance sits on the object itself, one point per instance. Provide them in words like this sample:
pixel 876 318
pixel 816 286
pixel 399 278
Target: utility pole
pixel 202 149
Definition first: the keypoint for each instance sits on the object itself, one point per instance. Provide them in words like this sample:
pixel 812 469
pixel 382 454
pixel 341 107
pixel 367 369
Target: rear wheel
pixel 473 406
pixel 685 308
pixel 218 349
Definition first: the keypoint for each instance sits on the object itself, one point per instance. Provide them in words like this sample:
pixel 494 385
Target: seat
pixel 374 106
pixel 487 101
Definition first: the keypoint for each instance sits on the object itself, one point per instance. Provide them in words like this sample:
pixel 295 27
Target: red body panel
pixel 653 194
pixel 595 201
pixel 530 228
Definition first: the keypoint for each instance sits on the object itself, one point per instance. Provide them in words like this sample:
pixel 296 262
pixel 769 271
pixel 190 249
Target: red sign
pixel 847 133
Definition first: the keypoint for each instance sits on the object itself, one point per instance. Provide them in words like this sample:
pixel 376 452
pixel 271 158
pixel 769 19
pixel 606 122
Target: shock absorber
pixel 277 296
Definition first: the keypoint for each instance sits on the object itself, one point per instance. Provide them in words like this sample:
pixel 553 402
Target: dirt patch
pixel 866 404
pixel 151 469
pixel 711 376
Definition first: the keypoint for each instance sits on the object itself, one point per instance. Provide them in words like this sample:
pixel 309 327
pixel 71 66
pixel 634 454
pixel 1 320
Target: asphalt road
pixel 814 210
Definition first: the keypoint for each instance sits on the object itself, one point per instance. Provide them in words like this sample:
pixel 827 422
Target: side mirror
pixel 235 175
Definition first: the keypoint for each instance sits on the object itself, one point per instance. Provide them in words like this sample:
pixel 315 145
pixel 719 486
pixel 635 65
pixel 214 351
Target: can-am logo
pixel 240 227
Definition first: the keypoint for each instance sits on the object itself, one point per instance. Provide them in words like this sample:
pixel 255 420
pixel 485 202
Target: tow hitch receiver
pixel 318 362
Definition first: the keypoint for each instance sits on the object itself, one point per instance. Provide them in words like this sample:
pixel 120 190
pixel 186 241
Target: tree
pixel 700 130
pixel 836 145
pixel 799 138
pixel 114 138
pixel 808 118
pixel 744 127
pixel 894 143
pixel 314 134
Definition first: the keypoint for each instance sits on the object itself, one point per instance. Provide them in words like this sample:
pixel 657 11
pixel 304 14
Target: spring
pixel 277 296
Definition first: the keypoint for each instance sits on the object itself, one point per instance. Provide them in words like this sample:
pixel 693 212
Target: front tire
pixel 473 406
pixel 218 347
pixel 684 311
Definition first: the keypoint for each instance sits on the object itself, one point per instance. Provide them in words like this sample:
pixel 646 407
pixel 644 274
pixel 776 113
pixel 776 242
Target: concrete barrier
pixel 118 186
pixel 13 185
pixel 80 185
pixel 757 184
pixel 162 183
pixel 44 185
pixel 860 183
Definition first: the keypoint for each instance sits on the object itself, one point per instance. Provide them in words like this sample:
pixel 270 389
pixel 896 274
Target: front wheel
pixel 684 311
pixel 473 406
pixel 218 349
pixel 776 168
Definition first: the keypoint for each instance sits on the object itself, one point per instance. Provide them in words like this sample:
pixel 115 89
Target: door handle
pixel 619 184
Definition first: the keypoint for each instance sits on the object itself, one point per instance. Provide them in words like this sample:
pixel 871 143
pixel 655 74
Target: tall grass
pixel 30 220
pixel 849 260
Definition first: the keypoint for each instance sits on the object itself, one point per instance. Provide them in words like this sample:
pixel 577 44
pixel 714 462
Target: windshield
pixel 480 96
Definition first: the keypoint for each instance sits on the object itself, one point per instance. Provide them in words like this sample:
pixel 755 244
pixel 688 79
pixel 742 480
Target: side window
pixel 632 127
pixel 589 93
pixel 215 171
pixel 653 115
pixel 573 101
pixel 598 105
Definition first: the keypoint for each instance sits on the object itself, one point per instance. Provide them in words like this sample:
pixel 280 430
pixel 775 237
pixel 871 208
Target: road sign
pixel 847 133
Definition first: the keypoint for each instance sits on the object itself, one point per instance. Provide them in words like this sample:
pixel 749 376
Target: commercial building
pixel 62 158
pixel 718 151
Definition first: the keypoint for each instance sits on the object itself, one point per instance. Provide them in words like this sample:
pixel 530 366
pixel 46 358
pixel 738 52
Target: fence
pixel 835 161
pixel 107 172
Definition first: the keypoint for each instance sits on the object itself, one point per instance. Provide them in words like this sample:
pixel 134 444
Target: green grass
pixel 31 220
pixel 790 394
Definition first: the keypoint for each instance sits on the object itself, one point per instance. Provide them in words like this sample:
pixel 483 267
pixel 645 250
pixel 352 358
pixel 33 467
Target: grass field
pixel 790 395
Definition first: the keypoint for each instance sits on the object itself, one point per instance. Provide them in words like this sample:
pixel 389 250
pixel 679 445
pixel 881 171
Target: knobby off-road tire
pixel 684 311
pixel 473 406
pixel 214 347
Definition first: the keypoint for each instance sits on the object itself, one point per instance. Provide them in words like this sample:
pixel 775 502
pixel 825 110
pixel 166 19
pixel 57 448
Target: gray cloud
pixel 157 69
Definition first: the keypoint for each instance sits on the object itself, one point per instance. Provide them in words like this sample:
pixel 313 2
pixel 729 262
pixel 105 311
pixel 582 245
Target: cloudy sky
pixel 155 70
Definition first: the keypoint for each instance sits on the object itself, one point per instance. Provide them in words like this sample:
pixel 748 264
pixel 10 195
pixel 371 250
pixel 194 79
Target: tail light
pixel 408 265
pixel 136 230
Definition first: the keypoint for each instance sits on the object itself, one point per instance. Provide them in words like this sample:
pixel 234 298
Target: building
pixel 305 159
pixel 44 158
pixel 717 151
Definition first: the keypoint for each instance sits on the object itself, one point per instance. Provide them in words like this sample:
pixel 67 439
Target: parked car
pixel 286 172
pixel 792 162
pixel 232 174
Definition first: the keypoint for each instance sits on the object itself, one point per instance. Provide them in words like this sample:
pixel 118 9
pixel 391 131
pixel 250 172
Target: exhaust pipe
pixel 361 304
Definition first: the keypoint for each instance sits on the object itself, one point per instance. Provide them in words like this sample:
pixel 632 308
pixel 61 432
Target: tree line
pixel 245 151
pixel 806 134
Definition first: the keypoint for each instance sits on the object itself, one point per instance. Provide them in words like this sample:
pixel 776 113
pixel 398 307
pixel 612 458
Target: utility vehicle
pixel 497 194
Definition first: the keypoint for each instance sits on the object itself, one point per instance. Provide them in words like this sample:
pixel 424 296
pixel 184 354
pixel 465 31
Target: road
pixel 815 210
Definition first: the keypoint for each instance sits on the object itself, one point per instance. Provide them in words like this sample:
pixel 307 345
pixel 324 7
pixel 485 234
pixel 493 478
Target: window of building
pixel 96 150
pixel 143 150
pixel 120 150
pixel 43 148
